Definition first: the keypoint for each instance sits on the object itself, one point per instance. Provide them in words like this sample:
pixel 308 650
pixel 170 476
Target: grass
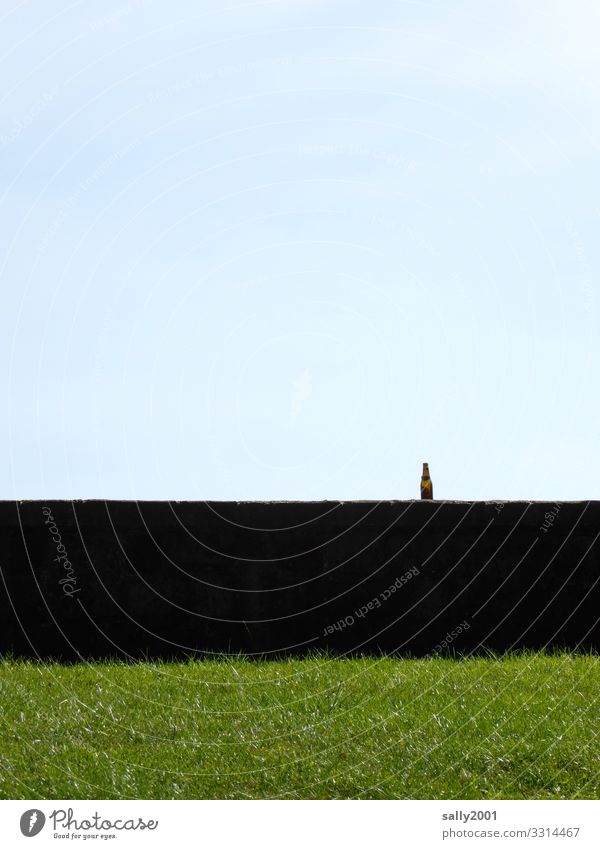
pixel 521 726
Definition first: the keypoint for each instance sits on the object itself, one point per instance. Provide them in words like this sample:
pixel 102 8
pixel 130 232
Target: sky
pixel 294 249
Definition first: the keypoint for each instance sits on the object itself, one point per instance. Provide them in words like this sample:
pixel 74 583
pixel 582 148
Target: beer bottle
pixel 426 485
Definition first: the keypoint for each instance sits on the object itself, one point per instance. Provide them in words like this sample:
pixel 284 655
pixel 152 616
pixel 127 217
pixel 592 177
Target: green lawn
pixel 520 726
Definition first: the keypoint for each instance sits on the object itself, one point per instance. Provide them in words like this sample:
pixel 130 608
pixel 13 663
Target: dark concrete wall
pixel 93 578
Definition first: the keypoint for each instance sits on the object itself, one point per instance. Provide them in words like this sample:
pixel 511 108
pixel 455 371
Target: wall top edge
pixel 340 502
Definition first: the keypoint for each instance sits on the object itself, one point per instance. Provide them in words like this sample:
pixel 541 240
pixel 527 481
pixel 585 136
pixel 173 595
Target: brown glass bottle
pixel 426 485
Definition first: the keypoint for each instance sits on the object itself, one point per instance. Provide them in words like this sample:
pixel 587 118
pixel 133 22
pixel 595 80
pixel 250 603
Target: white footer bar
pixel 301 825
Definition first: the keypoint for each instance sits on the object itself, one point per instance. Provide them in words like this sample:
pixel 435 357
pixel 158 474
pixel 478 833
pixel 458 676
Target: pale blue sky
pixel 292 249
